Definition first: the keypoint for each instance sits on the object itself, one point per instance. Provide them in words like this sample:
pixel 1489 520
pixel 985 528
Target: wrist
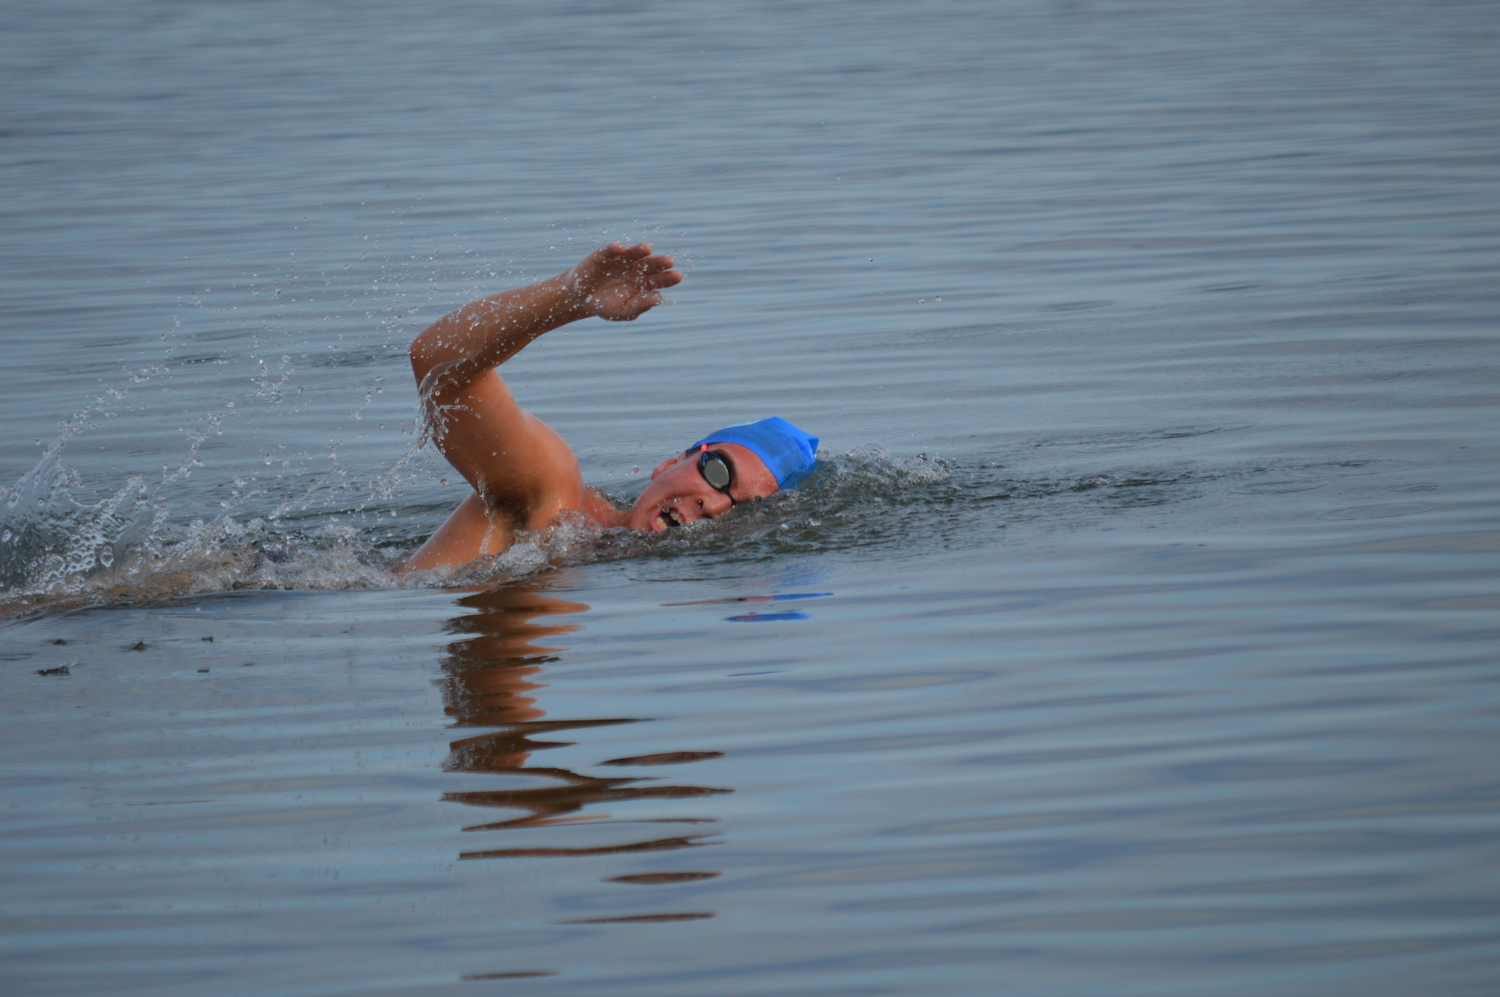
pixel 573 300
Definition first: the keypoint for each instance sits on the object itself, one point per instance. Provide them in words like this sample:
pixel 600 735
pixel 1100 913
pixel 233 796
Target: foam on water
pixel 59 552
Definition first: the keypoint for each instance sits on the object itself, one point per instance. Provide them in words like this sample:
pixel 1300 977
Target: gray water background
pixel 1150 595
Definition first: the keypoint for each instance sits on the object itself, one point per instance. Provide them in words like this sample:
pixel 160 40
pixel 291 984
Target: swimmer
pixel 524 476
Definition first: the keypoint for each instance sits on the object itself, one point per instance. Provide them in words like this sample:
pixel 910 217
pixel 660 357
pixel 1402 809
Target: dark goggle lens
pixel 715 471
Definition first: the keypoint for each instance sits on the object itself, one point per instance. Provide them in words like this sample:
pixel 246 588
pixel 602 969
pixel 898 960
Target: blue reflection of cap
pixel 788 451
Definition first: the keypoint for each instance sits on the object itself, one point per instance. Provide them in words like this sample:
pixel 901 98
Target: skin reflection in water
pixel 491 678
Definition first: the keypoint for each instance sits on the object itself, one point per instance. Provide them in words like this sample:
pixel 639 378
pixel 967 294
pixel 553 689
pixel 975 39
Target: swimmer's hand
pixel 621 283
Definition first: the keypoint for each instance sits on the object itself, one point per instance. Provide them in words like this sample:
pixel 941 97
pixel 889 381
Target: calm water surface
pixel 1137 636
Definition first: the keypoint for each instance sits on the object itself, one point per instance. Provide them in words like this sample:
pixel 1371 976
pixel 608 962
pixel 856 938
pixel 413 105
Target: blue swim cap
pixel 788 451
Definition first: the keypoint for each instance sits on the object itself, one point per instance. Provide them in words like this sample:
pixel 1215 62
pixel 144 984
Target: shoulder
pixel 547 484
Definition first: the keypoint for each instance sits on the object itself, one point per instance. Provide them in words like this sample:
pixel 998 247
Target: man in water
pixel 525 477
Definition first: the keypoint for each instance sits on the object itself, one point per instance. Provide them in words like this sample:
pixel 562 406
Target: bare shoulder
pixel 513 459
pixel 555 482
pixel 510 500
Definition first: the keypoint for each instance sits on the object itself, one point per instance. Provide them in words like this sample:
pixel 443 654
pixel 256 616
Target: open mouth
pixel 669 518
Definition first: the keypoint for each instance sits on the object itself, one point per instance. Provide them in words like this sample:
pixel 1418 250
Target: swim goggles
pixel 716 471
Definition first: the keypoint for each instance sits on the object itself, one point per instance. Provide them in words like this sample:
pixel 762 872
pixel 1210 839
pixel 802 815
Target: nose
pixel 715 504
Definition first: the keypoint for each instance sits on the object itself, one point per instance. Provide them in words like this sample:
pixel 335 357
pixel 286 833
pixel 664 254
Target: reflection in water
pixel 490 678
pixel 641 918
pixel 657 878
pixel 665 758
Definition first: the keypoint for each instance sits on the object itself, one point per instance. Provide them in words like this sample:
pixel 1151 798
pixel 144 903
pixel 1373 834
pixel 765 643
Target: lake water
pixel 1138 635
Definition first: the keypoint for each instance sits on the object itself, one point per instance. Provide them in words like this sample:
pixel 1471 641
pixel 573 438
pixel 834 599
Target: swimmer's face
pixel 679 494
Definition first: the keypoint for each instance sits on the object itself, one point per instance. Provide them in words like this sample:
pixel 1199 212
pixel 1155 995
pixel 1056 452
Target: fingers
pixel 639 251
pixel 658 270
pixel 607 253
pixel 635 267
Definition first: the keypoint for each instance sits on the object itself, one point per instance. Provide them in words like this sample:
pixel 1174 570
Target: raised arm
pixel 524 474
pixel 613 282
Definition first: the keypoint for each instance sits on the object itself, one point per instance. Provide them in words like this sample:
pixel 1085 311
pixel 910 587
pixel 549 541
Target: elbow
pixel 424 356
pixel 429 365
pixel 420 365
pixel 438 381
pixel 429 351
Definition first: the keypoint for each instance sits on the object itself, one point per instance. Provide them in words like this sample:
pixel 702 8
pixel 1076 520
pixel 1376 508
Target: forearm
pixel 487 332
pixel 613 282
